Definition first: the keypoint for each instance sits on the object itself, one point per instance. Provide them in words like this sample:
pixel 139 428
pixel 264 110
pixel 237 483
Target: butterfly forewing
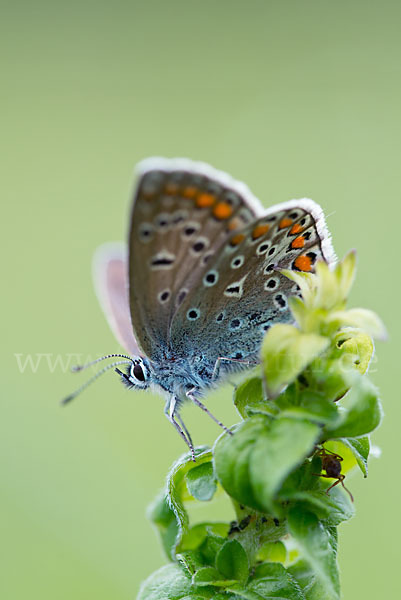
pixel 241 293
pixel 183 214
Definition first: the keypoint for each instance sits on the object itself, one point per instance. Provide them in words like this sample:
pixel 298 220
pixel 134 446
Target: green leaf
pixel 177 490
pixel 326 376
pixel 196 535
pixel 328 291
pixel 252 464
pixel 360 448
pixel 300 312
pixel 249 394
pixel 190 560
pixel 232 561
pixel 300 479
pixel 318 545
pixel 210 576
pixel 201 482
pixel 333 508
pixel 363 416
pixel 210 548
pixel 316 590
pixel 164 518
pixel 170 583
pixel 302 572
pixel 333 285
pixel 276 453
pixel 231 459
pixel 345 273
pixel 343 508
pixel 307 283
pixel 271 580
pixel 309 405
pixel 353 349
pixel 363 319
pixel 286 352
pixel 273 552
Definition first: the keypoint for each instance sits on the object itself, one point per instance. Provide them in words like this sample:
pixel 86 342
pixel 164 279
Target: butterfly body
pixel 178 376
pixel 201 282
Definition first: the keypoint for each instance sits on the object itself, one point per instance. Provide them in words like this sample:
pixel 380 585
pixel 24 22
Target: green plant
pixel 307 411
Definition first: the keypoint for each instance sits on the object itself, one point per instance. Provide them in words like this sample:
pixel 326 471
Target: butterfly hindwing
pixel 110 274
pixel 183 213
pixel 241 292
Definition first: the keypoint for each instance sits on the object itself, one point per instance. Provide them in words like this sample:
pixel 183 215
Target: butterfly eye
pixel 138 373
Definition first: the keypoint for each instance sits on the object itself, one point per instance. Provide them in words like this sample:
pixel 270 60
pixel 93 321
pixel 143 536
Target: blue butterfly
pixel 201 282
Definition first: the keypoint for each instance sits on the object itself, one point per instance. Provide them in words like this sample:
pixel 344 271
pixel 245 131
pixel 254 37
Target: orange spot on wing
pixel 285 223
pixel 296 228
pixel 303 263
pixel 222 210
pixel 237 239
pixel 189 192
pixel 299 242
pixel 259 231
pixel 204 200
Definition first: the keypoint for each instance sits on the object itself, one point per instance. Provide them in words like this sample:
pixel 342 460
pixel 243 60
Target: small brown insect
pixel 331 463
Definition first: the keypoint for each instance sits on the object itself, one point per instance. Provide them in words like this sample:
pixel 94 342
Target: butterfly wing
pixel 242 292
pixel 183 213
pixel 110 274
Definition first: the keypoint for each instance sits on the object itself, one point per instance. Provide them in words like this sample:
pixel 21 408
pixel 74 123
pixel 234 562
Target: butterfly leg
pixel 170 412
pixel 181 422
pixel 196 401
pixel 216 370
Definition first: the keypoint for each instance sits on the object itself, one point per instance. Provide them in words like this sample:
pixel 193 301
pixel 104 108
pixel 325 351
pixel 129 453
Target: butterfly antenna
pixel 68 399
pixel 77 368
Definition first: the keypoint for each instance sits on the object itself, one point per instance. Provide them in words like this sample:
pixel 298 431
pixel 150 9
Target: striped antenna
pixel 77 368
pixel 68 399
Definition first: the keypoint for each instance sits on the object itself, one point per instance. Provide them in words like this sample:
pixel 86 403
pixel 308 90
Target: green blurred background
pixel 297 99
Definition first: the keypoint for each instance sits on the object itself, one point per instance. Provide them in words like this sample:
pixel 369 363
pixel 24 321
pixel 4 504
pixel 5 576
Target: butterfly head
pixel 139 373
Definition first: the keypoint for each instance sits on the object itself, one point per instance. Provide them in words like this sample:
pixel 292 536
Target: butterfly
pixel 201 282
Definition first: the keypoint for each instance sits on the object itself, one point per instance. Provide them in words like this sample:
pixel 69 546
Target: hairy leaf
pixel 177 490
pixel 363 319
pixel 232 456
pixel 333 507
pixel 364 414
pixel 232 561
pixel 201 482
pixel 309 404
pixel 249 399
pixel 286 352
pixel 270 580
pixel 210 576
pixel 360 448
pixel 162 515
pixel 197 534
pixel 273 552
pixel 319 547
pixel 170 583
pixel 276 453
